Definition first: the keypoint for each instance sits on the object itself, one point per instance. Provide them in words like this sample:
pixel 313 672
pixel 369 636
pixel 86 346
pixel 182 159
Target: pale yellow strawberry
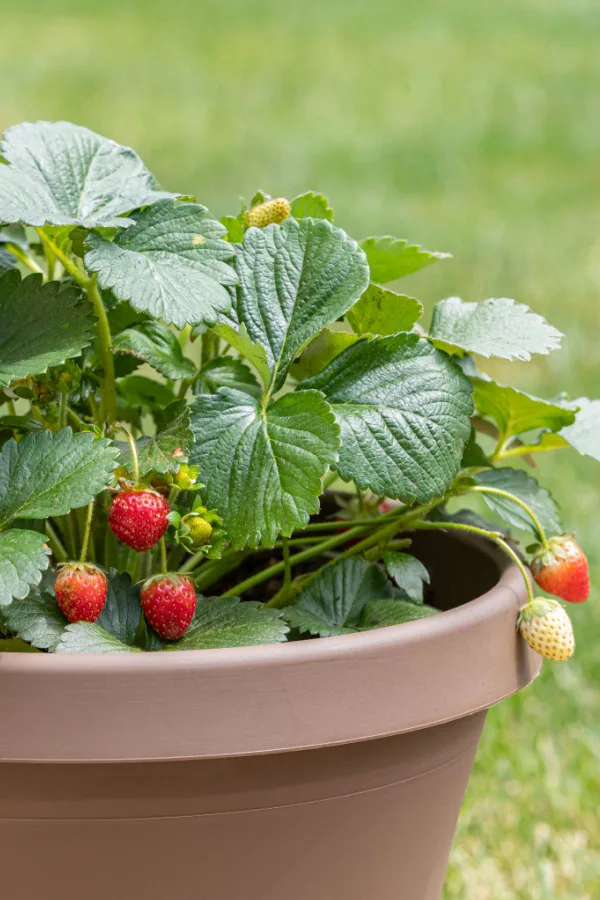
pixel 546 627
pixel 200 530
pixel 272 211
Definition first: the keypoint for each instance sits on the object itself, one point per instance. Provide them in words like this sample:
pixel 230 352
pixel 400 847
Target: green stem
pixel 24 258
pixel 62 411
pixel 212 572
pixel 12 409
pixel 86 534
pixel 163 556
pixel 331 476
pixel 287 572
pixel 109 401
pixel 480 489
pixel 68 264
pixel 133 450
pixel 490 535
pixel 74 419
pixel 184 335
pixel 60 554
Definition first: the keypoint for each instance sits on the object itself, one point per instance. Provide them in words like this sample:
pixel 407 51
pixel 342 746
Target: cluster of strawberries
pixel 138 518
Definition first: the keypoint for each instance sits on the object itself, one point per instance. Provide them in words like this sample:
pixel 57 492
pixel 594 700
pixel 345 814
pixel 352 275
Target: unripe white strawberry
pixel 546 627
pixel 272 211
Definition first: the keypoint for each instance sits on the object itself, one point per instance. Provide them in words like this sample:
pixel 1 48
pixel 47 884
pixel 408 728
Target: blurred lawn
pixel 469 126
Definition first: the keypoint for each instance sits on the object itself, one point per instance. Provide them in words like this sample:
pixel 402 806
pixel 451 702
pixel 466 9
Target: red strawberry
pixel 80 590
pixel 138 517
pixel 562 569
pixel 168 603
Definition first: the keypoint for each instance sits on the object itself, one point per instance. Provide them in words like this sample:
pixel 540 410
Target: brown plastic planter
pixel 316 770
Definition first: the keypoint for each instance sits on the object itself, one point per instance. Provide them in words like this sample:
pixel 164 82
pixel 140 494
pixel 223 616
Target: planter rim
pixel 269 698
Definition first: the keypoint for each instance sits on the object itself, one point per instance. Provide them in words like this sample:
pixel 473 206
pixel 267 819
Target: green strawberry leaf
pixel 407 572
pixel 391 258
pixel 45 475
pixel 154 343
pixel 262 469
pixel 584 434
pixel 319 353
pixel 380 613
pixel 170 263
pixel 90 637
pixel 235 228
pixel 253 351
pixel 41 325
pixel 380 311
pixel 333 600
pixel 226 371
pixel 122 610
pixel 515 412
pixel 312 206
pixel 23 557
pixel 64 174
pixel 37 618
pixel 156 453
pixel 500 328
pixel 225 622
pixel 145 393
pixel 294 280
pixel 404 409
pixel 7 261
pixel 526 488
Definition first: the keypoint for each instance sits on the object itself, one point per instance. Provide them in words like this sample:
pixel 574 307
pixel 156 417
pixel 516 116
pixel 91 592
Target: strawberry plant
pixel 178 392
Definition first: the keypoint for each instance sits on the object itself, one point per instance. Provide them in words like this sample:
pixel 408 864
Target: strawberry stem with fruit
pixel 481 489
pixel 86 534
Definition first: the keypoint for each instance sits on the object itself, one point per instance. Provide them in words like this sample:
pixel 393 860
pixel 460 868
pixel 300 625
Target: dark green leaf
pixel 380 311
pixel 155 344
pixel 515 412
pixel 64 174
pixel 41 325
pixel 492 328
pixel 380 613
pixel 7 261
pixel 526 488
pixel 156 453
pixel 45 475
pixel 23 557
pixel 37 618
pixel 473 457
pixel 404 409
pixel 319 353
pixel 146 393
pixel 391 258
pixel 225 622
pixel 295 279
pixel 226 371
pixel 408 572
pixel 262 469
pixel 313 206
pixel 89 637
pixel 122 610
pixel 171 263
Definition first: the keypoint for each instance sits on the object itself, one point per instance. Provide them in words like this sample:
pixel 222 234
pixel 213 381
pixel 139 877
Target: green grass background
pixel 469 126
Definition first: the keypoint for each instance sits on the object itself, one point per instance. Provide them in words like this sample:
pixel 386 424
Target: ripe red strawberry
pixel 562 569
pixel 80 590
pixel 138 517
pixel 168 603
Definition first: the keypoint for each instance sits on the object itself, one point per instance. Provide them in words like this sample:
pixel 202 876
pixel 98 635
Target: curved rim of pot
pixel 271 698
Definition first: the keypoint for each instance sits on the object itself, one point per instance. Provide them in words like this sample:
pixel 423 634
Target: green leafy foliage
pixel 319 353
pixel 170 263
pixel 381 311
pixel 313 206
pixel 225 622
pixel 145 393
pixel 90 637
pixel 122 611
pixel 23 557
pixel 295 279
pixel 7 261
pixel 63 174
pixel 41 325
pixel 584 433
pixel 37 618
pixel 407 572
pixel 492 328
pixel 404 409
pixel 515 412
pixel 381 613
pixel 392 258
pixel 45 475
pixel 156 453
pixel 526 488
pixel 156 344
pixel 262 469
pixel 226 371
pixel 251 350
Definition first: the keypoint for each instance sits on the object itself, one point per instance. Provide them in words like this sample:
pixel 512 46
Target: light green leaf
pixel 156 453
pixel 499 327
pixel 262 469
pixel 584 434
pixel 23 557
pixel 253 351
pixel 408 573
pixel 319 353
pixel 225 622
pixel 526 488
pixel 515 412
pixel 391 258
pixel 41 325
pixel 313 206
pixel 156 344
pixel 295 279
pixel 171 263
pixel 380 311
pixel 145 393
pixel 121 613
pixel 404 409
pixel 381 613
pixel 37 618
pixel 90 637
pixel 45 475
pixel 234 226
pixel 64 174
pixel 332 601
pixel 226 371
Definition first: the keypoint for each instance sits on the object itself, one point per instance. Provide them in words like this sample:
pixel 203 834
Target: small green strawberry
pixel 546 627
pixel 272 211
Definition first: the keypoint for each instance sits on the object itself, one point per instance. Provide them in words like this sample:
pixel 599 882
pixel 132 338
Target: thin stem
pixel 480 489
pixel 109 400
pixel 184 335
pixel 133 451
pixel 86 534
pixel 331 476
pixel 287 572
pixel 60 554
pixel 68 264
pixel 74 419
pixel 24 258
pixel 490 535
pixel 62 410
pixel 163 556
pixel 212 572
pixel 12 409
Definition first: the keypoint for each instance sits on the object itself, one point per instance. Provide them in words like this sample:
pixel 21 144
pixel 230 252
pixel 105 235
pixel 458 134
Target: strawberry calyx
pixel 90 568
pixel 557 548
pixel 172 577
pixel 537 609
